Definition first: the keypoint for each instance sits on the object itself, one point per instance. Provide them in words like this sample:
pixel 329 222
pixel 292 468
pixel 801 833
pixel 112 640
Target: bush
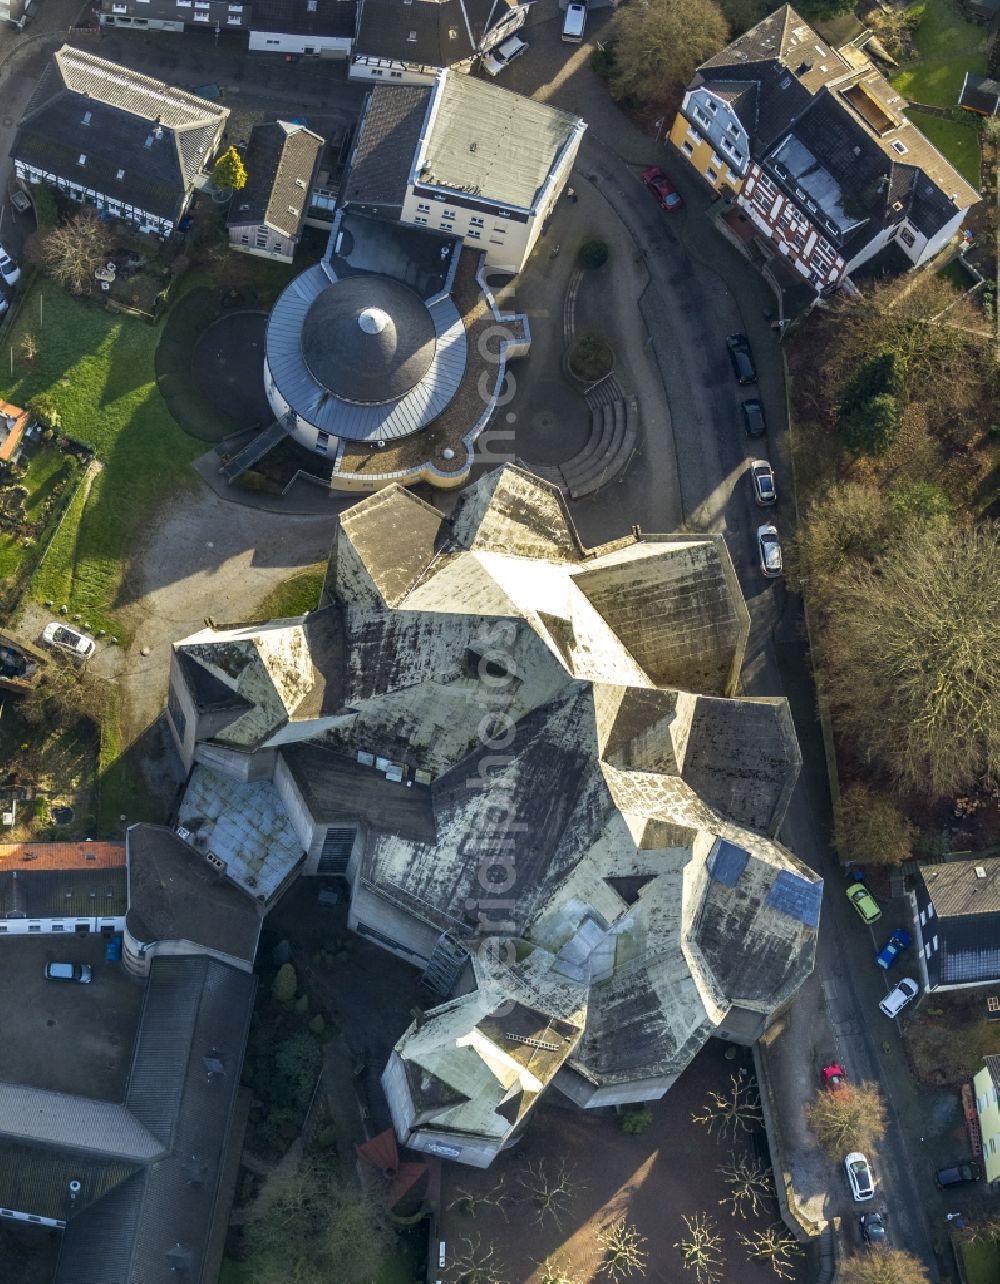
pixel 869 411
pixel 593 254
pixel 591 357
pixel 317 1025
pixel 43 408
pixel 285 985
pixel 874 831
pixel 635 1120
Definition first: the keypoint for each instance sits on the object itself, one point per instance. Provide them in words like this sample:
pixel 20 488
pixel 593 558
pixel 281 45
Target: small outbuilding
pixel 267 216
pixel 980 94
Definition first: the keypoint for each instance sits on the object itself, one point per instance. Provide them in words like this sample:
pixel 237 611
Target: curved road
pixel 689 309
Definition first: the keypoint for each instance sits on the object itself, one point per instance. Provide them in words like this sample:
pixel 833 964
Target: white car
pixel 904 992
pixel 859 1174
pixel 68 639
pixel 498 58
pixel 769 550
pixel 9 270
pixel 574 23
pixel 764 491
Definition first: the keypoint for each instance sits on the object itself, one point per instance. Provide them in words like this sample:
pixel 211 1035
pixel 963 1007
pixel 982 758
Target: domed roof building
pixel 368 353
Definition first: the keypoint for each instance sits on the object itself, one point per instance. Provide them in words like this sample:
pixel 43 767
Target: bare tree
pixel 75 249
pixel 624 1254
pixel 553 1272
pixel 658 44
pixel 730 1113
pixel 874 830
pixel 477 1263
pixel 775 1245
pixel 851 1117
pixel 883 1266
pixel 701 1249
pixel 29 347
pixel 470 1201
pixel 750 1186
pixel 985 1231
pixel 552 1194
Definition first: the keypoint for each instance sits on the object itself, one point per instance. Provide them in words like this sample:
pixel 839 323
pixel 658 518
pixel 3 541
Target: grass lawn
pixel 99 368
pixel 980 1261
pixel 948 46
pixel 47 468
pixel 956 139
pixel 298 594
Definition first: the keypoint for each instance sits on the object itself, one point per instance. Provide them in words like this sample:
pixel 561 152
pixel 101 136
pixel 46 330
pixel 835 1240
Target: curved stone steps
pixel 601 428
pixel 611 457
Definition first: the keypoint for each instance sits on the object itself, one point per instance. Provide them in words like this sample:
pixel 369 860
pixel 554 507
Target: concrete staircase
pixel 254 450
pixel 614 430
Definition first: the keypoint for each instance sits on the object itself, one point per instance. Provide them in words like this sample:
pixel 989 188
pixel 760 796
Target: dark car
pixel 666 194
pixel 738 347
pixel 966 1174
pixel 753 417
pixel 872 1227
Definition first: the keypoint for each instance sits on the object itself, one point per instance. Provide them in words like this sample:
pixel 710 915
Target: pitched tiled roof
pixel 387 141
pixel 70 893
pixel 280 161
pixel 19 420
pixel 78 855
pixel 957 889
pixel 123 134
pixel 434 33
pixel 331 18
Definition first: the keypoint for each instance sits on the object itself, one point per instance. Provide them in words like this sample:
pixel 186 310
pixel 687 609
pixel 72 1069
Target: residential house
pixel 465 158
pixel 177 15
pixel 593 889
pixel 14 423
pixel 980 94
pixel 406 42
pixel 71 887
pixel 814 146
pixel 312 28
pixel 986 1087
pixel 124 143
pixel 267 216
pixel 956 907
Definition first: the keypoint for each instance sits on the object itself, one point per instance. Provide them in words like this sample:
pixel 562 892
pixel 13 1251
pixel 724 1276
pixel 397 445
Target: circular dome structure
pixel 368 339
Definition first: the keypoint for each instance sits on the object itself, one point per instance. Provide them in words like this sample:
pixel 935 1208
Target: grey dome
pixel 368 339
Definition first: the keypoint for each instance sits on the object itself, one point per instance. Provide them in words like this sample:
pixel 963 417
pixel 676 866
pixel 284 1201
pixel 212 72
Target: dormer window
pixel 712 107
pixel 411 37
pixel 83 159
pixel 898 147
pixel 120 175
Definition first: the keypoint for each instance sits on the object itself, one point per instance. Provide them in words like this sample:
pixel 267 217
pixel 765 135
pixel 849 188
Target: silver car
pixel 769 550
pixel 9 270
pixel 764 490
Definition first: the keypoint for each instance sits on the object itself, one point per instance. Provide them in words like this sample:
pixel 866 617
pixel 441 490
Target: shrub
pixel 635 1120
pixel 593 254
pixel 285 985
pixel 591 357
pixel 874 831
pixel 869 411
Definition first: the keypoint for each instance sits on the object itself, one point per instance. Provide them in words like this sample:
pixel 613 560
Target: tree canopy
pixel 851 1117
pixel 659 43
pixel 883 1266
pixel 229 170
pixel 73 251
pixel 874 830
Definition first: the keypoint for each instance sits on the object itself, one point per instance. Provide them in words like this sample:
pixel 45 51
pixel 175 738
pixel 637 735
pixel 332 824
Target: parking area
pixel 70 1037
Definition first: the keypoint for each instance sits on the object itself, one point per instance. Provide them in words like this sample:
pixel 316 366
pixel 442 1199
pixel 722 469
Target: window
pixel 477 222
pixel 448 215
pixel 120 175
pixel 687 149
pixel 411 37
pixel 310 6
pixel 245 239
pixel 907 237
pixel 272 42
pixel 83 159
pixel 86 118
pixel 712 175
pixel 420 220
pixel 701 118
pixel 473 234
pixel 34 927
pixel 322 440
pixel 424 209
pixel 712 107
pixel 397 74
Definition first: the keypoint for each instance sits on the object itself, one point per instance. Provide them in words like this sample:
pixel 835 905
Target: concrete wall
pixel 138 955
pixel 338 47
pixel 393 929
pixel 478 1152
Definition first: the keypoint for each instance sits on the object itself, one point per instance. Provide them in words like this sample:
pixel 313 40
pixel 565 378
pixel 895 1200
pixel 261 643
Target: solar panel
pixel 728 863
pixel 796 897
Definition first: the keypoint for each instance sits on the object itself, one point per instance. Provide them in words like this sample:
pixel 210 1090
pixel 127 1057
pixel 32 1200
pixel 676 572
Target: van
pixel 574 23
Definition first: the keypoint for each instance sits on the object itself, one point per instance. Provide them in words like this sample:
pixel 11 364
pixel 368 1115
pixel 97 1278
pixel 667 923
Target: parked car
pixel 834 1075
pixel 859 1174
pixel 873 1230
pixel 667 195
pixel 904 992
pixel 753 417
pixel 894 946
pixel 769 548
pixel 9 270
pixel 61 635
pixel 740 354
pixel 504 53
pixel 4 299
pixel 964 1174
pixel 574 23
pixel 864 902
pixel 762 476
pixel 80 972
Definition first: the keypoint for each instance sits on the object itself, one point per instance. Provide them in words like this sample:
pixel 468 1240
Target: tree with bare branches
pixel 701 1249
pixel 554 1272
pixel 477 1263
pixel 551 1193
pixel 657 45
pixel 883 1266
pixel 73 251
pixel 727 1114
pixel 624 1254
pixel 873 829
pixel 470 1202
pixel 851 1117
pixel 775 1245
pixel 750 1186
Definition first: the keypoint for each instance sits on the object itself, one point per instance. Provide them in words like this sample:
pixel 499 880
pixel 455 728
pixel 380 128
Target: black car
pixel 957 1175
pixel 738 346
pixel 872 1227
pixel 753 417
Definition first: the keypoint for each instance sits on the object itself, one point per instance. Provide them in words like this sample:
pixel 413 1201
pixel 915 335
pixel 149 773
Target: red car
pixel 834 1076
pixel 666 194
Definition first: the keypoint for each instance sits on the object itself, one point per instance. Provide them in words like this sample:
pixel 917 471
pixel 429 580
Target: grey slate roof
pixel 433 33
pixel 124 108
pixel 386 144
pixel 331 18
pixel 175 895
pixel 981 94
pixel 51 893
pixel 957 891
pixel 280 162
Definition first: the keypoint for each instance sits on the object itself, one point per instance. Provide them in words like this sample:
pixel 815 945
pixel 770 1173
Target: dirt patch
pixel 947 1045
pixel 652 1180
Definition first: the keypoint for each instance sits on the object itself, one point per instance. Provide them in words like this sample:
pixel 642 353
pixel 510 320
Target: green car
pixel 864 902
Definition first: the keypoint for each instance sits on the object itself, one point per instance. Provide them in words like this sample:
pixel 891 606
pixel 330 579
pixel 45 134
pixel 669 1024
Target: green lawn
pixel 299 594
pixel 948 46
pixel 47 468
pixel 956 139
pixel 981 1262
pixel 99 368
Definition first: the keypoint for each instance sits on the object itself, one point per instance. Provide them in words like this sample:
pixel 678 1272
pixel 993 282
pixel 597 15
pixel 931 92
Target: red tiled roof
pixel 21 420
pixel 83 855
